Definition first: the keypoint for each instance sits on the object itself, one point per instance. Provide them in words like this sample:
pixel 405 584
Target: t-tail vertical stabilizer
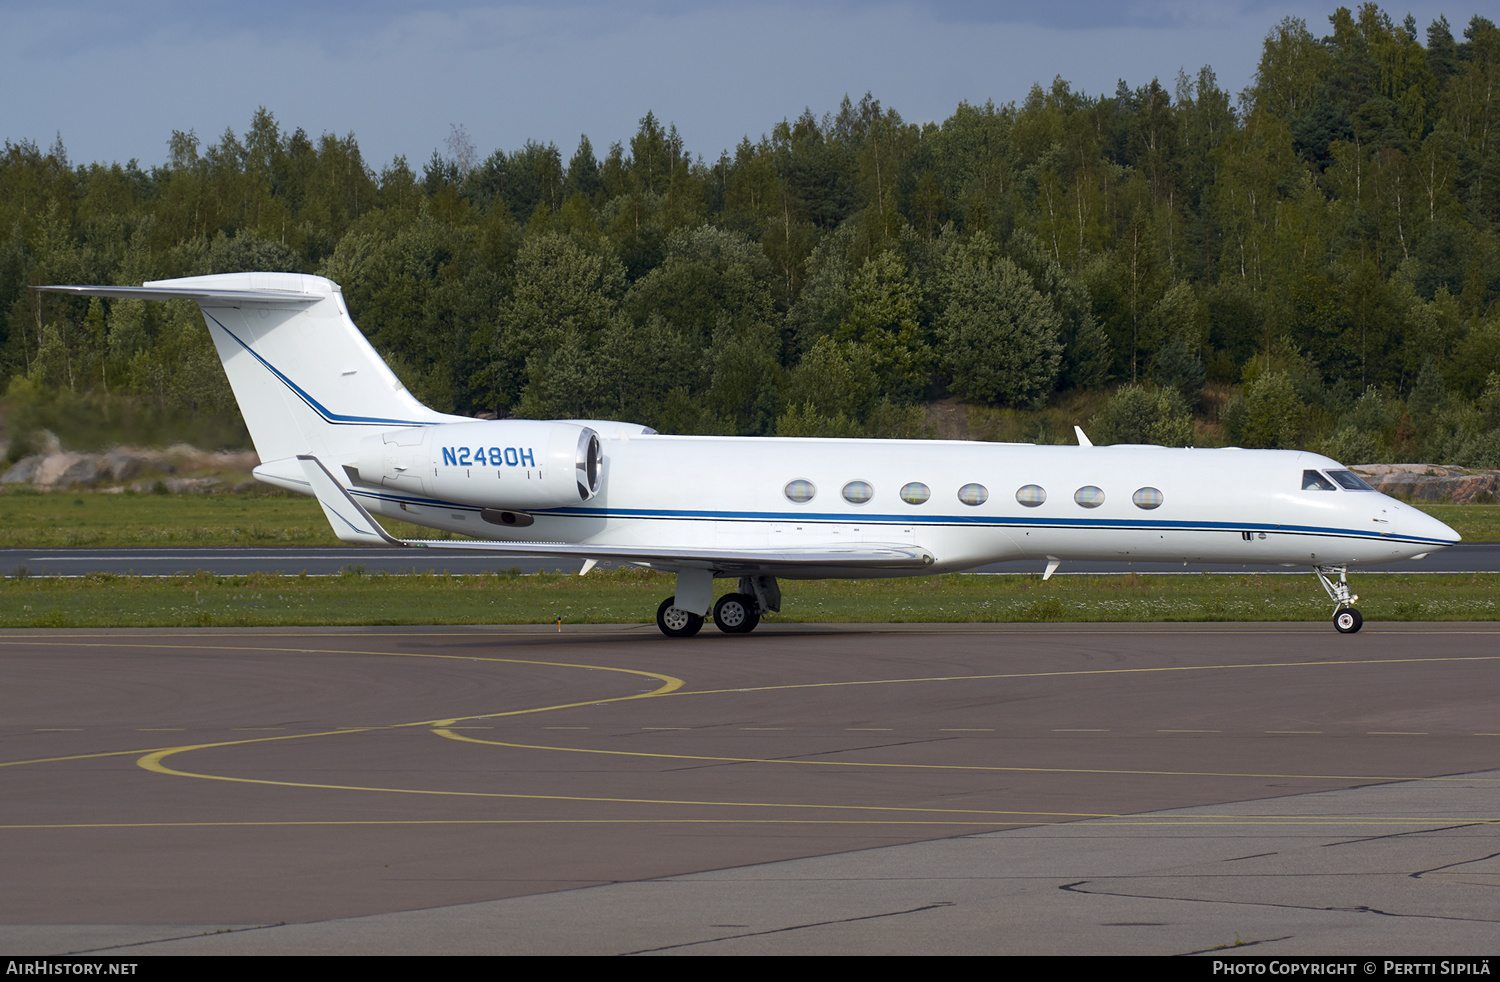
pixel 306 379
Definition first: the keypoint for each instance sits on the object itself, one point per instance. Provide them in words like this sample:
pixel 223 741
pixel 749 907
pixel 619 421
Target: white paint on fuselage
pixel 730 493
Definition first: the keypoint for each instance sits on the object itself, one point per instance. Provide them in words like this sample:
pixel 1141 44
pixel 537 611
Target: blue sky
pixel 115 78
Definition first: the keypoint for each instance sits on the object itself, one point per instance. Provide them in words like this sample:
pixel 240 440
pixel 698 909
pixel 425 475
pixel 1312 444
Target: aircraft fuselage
pixel 967 503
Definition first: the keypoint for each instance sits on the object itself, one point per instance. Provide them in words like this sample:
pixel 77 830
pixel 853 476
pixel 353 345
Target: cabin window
pixel 973 494
pixel 1313 481
pixel 1147 498
pixel 915 493
pixel 1031 495
pixel 1350 481
pixel 1089 497
pixel 800 491
pixel 858 492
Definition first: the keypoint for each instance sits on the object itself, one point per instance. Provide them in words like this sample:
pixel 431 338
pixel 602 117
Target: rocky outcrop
pixel 63 470
pixel 1433 483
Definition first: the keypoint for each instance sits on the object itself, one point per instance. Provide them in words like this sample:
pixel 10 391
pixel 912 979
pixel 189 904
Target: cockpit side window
pixel 1350 481
pixel 1313 481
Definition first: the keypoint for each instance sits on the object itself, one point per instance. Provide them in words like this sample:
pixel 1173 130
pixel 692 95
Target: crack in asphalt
pixel 1463 862
pixel 796 927
pixel 1359 909
pixel 1408 832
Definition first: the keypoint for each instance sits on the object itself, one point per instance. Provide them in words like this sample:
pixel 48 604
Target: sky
pixel 114 78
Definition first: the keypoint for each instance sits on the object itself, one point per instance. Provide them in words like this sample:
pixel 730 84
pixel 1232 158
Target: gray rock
pixel 193 485
pixel 124 464
pixel 1428 470
pixel 1460 489
pixel 57 470
pixel 24 470
pixel 71 470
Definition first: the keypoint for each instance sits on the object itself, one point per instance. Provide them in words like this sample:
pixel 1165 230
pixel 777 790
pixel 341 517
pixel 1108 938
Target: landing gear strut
pixel 1346 619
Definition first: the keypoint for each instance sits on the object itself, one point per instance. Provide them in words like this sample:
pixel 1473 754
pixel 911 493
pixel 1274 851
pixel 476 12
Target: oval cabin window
pixel 1147 498
pixel 858 492
pixel 1031 495
pixel 1089 497
pixel 800 491
pixel 973 494
pixel 915 493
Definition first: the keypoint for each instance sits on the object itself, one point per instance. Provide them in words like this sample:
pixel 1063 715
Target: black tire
pixel 1348 621
pixel 676 622
pixel 736 613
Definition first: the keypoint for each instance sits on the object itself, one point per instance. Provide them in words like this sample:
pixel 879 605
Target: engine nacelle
pixel 513 464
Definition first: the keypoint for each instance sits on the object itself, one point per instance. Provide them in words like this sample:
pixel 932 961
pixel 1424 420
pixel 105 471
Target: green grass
pixel 631 596
pixel 81 519
pixel 33 520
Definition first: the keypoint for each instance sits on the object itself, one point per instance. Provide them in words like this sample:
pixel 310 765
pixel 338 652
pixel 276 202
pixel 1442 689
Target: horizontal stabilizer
pixel 227 298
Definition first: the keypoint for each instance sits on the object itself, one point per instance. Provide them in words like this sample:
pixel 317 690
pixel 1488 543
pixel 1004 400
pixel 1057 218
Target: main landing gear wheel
pixel 1348 621
pixel 676 622
pixel 736 613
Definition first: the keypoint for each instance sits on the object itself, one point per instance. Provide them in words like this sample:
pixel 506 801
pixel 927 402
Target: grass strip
pixel 631 596
pixel 85 519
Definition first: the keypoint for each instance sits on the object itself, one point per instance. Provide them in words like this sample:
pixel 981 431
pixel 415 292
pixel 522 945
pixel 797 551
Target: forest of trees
pixel 1314 262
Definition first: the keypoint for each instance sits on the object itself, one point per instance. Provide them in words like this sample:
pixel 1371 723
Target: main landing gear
pixel 734 613
pixel 1346 619
pixel 676 622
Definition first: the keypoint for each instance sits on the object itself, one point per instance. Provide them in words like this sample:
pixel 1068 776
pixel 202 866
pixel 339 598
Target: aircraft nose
pixel 1421 525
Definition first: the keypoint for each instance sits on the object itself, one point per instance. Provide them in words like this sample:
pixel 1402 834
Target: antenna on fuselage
pixel 1083 441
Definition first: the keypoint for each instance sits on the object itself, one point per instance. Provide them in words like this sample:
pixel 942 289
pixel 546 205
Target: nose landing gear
pixel 1346 619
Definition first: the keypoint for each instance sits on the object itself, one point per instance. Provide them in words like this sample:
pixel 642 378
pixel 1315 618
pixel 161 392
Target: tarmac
pixel 1263 789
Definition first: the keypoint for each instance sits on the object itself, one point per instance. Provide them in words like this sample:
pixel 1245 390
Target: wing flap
pixel 863 555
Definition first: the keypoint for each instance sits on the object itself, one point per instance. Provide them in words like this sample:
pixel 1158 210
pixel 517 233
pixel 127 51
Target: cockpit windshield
pixel 1350 481
pixel 1346 479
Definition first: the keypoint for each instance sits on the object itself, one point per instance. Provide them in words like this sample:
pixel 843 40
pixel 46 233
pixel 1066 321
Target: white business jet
pixel 330 419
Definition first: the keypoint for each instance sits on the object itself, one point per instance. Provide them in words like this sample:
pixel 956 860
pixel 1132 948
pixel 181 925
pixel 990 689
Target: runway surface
pixel 1480 557
pixel 1009 788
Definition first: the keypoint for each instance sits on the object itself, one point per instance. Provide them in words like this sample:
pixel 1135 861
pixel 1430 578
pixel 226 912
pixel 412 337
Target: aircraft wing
pixel 353 524
pixel 863 555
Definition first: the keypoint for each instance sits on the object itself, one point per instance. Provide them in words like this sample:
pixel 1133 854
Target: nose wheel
pixel 1346 619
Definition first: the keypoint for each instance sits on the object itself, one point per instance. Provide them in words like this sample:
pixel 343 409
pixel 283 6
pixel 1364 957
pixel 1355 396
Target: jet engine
pixel 512 464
